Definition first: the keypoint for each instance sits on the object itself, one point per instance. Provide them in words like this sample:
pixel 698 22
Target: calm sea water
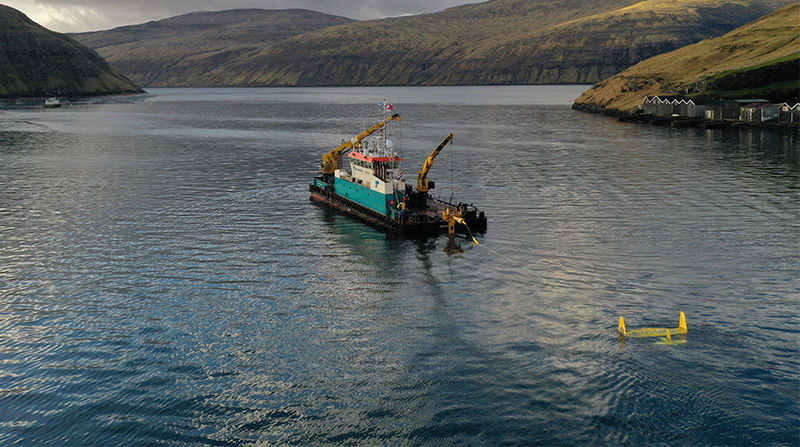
pixel 164 279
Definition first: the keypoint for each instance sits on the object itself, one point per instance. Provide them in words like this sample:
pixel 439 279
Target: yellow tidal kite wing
pixel 654 331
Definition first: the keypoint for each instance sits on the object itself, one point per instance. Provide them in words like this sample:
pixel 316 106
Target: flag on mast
pixel 386 106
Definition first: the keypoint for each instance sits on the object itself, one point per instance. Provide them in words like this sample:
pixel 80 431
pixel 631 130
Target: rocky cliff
pixel 35 61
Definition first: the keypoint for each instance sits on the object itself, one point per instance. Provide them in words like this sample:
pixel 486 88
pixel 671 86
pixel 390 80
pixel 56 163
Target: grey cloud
pixel 100 14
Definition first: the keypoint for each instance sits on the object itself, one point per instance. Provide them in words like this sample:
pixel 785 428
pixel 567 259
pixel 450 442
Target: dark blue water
pixel 164 279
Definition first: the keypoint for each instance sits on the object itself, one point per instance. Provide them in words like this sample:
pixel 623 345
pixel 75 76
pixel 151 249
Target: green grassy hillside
pixel 495 42
pixel 35 61
pixel 183 50
pixel 760 59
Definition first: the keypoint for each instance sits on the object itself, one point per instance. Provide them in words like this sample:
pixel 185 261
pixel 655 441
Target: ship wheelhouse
pixel 372 181
pixel 383 168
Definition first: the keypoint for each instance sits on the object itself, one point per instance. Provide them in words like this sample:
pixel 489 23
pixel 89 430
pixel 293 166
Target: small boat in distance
pixel 52 103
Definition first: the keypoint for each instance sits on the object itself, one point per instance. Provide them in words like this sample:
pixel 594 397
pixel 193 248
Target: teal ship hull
pixel 379 210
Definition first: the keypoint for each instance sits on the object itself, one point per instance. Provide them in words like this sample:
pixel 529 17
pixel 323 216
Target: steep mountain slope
pixel 181 50
pixel 759 59
pixel 495 42
pixel 35 61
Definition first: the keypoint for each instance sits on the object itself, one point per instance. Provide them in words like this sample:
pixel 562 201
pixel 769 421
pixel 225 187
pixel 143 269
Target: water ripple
pixel 165 280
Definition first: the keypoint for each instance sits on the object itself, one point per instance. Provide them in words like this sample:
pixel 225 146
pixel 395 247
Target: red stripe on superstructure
pixel 367 158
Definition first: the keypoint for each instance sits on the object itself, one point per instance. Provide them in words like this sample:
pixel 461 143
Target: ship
pixel 52 103
pixel 373 188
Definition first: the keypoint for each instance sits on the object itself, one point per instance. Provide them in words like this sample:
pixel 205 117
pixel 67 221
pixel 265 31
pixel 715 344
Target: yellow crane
pixel 333 159
pixel 452 216
pixel 422 177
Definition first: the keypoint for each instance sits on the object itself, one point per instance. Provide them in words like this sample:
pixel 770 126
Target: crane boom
pixel 333 159
pixel 422 177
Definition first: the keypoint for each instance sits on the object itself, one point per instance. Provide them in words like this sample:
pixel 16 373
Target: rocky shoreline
pixel 640 117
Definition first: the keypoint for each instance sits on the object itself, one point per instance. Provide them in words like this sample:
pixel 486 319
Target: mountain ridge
pixel 494 42
pixel 171 49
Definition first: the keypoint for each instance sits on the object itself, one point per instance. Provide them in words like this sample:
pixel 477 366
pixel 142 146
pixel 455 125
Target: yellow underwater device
pixel 666 333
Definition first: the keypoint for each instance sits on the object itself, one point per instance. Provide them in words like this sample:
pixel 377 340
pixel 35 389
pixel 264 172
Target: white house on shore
pixel 788 113
pixel 689 108
pixel 661 105
pixel 747 110
pixel 672 106
pixel 758 112
pixel 722 110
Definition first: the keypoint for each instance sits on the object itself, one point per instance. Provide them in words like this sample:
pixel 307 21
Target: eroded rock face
pixel 35 61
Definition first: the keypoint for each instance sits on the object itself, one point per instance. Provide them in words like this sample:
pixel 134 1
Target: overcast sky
pixel 92 15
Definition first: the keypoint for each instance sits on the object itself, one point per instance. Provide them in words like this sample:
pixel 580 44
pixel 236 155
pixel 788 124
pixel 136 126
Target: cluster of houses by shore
pixel 745 110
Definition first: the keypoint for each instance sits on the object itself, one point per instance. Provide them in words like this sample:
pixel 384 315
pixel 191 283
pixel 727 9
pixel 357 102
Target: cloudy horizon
pixel 70 16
